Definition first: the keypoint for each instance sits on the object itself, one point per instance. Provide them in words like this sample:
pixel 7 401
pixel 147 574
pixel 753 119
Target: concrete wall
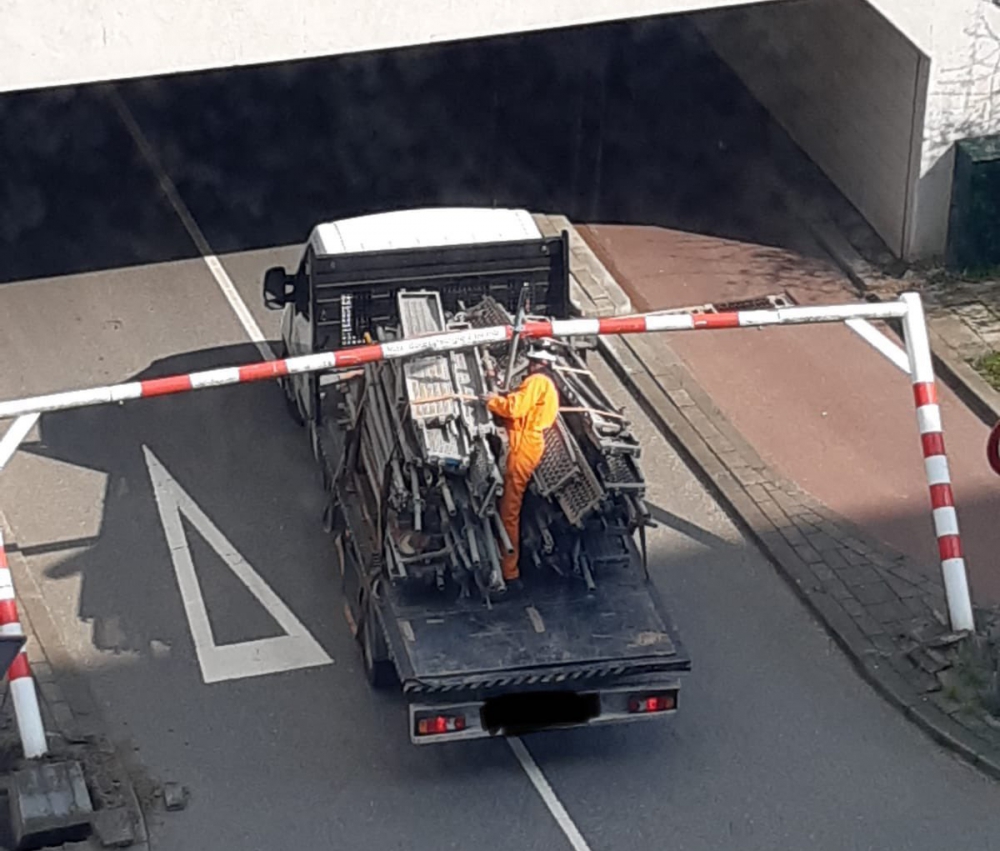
pixel 57 42
pixel 846 86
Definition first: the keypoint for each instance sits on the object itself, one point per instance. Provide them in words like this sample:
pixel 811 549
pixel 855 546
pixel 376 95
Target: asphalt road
pixel 779 743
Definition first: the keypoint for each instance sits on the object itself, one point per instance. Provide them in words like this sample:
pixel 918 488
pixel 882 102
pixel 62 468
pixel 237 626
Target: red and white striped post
pixel 918 349
pixel 22 684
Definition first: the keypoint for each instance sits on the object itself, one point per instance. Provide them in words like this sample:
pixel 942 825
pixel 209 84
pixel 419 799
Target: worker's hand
pixel 488 397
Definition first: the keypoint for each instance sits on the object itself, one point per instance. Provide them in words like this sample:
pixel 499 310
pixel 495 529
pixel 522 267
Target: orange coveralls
pixel 529 410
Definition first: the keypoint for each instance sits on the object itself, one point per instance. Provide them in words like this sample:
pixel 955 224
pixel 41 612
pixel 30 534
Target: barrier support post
pixel 918 350
pixel 21 682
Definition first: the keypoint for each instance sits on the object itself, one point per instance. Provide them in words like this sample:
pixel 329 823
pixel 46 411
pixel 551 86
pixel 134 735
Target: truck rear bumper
pixel 519 713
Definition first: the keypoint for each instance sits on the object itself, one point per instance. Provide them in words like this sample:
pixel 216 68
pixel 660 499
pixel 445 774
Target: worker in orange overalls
pixel 529 410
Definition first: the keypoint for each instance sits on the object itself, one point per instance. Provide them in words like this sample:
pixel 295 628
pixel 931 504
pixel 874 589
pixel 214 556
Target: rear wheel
pixel 285 384
pixel 379 670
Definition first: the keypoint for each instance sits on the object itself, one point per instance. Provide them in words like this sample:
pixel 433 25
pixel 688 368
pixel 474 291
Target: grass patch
pixel 988 366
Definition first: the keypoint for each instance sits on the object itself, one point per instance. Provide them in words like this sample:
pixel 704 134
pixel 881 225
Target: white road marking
pixel 870 334
pixel 548 795
pixel 296 649
pixel 191 226
pixel 176 500
pixel 15 434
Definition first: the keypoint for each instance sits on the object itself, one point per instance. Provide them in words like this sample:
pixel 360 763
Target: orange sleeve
pixel 516 405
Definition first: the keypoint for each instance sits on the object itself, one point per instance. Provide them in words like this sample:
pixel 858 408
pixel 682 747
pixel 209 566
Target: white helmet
pixel 538 354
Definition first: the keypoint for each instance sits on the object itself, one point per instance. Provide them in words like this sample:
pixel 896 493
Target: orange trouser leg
pixel 524 457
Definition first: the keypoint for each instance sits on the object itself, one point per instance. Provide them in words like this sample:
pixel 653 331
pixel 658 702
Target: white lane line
pixel 517 746
pixel 191 226
pixel 15 434
pixel 548 795
pixel 870 334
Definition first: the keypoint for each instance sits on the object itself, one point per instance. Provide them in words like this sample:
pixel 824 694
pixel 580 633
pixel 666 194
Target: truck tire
pixel 379 669
pixel 291 403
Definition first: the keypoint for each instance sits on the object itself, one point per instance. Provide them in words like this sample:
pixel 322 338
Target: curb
pixel 830 564
pixel 68 705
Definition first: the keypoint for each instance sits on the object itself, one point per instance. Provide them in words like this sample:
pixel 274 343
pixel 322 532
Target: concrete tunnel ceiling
pixel 836 75
pixel 64 42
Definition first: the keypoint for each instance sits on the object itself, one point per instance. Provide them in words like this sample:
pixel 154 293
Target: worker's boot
pixel 513 588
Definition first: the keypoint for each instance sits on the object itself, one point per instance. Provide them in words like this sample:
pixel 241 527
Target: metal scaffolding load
pixel 433 457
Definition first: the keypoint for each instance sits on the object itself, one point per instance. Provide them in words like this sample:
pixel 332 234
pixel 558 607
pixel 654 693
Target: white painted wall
pixel 56 42
pixel 843 83
pixel 963 100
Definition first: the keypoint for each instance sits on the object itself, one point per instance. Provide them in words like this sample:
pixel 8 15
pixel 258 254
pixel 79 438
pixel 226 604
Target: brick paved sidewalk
pixel 71 721
pixel 879 607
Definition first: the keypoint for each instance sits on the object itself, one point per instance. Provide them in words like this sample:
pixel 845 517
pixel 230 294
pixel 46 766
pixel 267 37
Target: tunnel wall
pixel 846 86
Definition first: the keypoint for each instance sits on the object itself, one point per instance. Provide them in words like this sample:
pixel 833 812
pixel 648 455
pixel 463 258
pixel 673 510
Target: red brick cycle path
pixel 818 403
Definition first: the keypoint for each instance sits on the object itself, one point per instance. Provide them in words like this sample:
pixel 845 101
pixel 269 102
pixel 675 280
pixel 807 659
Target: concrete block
pixel 49 804
pixel 175 796
pixel 114 828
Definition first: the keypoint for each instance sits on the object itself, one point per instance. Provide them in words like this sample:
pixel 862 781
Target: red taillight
pixel 440 724
pixel 653 703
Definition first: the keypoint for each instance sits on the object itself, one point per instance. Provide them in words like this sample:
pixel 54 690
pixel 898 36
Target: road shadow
pixel 237 454
pixel 634 122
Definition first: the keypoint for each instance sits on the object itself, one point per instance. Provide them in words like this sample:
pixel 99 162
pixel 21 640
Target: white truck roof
pixel 423 228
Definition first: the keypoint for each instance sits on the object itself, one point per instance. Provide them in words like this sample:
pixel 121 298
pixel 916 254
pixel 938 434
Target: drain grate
pixel 766 302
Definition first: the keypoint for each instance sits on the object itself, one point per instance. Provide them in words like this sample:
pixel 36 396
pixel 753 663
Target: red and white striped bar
pixel 448 341
pixel 918 350
pixel 22 684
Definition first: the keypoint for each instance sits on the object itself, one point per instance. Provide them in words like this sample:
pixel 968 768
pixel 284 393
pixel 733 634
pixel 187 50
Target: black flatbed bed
pixel 554 632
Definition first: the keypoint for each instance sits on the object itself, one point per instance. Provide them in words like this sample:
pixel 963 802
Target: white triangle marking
pixel 296 649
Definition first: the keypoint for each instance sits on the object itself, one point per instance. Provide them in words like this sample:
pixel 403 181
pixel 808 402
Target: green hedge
pixel 974 227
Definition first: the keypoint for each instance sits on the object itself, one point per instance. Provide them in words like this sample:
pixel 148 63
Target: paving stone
pixel 114 827
pixel 852 606
pixel 841 624
pixel 703 425
pixel 42 671
pixel 883 560
pixel 888 612
pixel 921 682
pixel 874 592
pixel 748 475
pixel 857 545
pixel 835 559
pixel 808 554
pixel 789 504
pixel 822 541
pixel 682 399
pixel 757 493
pixel 50 690
pixel 855 558
pixel 858 576
pixel 902 587
pixel 774 514
pixel 868 625
pixel 823 572
pixel 794 536
pixel 917 606
pixel 884 644
pixel 836 589
pixel 63 715
pixel 807 526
